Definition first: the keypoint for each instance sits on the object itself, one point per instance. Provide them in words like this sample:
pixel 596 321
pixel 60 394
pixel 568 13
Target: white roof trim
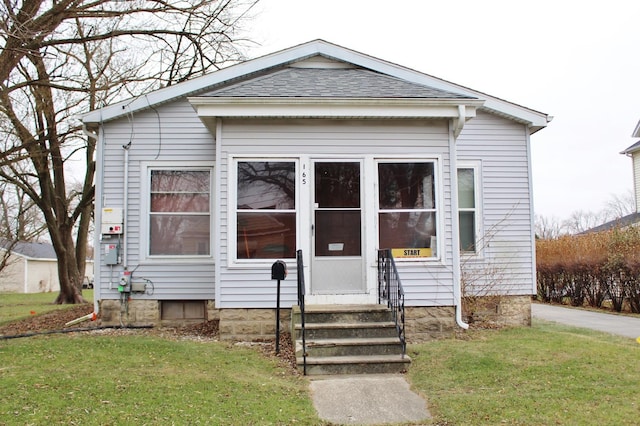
pixel 331 108
pixel 636 131
pixel 534 119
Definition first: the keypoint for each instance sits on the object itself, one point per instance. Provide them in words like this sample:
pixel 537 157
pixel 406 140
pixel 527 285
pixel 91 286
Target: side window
pixel 180 212
pixel 265 209
pixel 468 208
pixel 407 210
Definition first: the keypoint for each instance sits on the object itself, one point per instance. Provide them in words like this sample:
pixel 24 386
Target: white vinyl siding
pixel 170 134
pixel 173 134
pixel 368 140
pixel 505 265
pixel 636 178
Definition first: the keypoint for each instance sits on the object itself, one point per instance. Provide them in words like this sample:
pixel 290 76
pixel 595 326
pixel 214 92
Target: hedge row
pixel 591 269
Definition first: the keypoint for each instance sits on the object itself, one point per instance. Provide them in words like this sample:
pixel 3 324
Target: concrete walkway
pixel 367 400
pixel 387 398
pixel 608 323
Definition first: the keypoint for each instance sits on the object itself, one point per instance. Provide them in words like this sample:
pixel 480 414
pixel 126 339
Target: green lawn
pixel 544 375
pixel 15 306
pixel 144 380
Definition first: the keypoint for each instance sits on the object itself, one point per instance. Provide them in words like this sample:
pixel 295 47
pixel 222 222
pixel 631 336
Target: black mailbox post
pixel 278 272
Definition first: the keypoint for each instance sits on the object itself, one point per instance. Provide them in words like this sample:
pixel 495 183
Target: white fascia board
pixel 332 108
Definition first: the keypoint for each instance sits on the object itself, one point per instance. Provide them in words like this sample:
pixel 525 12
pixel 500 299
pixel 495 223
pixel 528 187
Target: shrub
pixel 591 268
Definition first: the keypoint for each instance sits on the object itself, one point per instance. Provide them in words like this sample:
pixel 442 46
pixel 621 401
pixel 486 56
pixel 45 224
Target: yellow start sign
pixel 400 253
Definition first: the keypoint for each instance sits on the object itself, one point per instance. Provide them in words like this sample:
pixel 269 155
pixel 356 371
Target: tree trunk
pixel 68 271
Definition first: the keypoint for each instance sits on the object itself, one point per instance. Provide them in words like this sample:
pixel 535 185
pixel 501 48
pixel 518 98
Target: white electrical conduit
pixel 125 203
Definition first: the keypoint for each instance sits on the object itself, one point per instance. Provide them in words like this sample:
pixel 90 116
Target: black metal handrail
pixel 390 292
pixel 301 293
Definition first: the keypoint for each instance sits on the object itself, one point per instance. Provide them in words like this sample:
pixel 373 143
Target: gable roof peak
pixel 309 53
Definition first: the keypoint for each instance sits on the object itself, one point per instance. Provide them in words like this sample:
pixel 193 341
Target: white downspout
pixel 217 231
pixel 454 132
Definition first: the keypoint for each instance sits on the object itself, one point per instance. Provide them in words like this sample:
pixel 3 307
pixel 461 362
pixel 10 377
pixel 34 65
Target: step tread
pixel 317 325
pixel 351 341
pixel 355 359
pixel 313 309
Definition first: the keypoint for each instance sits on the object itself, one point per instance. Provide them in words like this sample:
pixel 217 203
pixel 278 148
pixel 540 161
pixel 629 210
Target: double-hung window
pixel 265 209
pixel 407 209
pixel 468 208
pixel 180 212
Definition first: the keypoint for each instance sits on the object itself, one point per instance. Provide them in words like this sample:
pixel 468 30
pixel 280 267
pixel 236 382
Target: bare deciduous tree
pixel 620 205
pixel 548 228
pixel 20 220
pixel 61 58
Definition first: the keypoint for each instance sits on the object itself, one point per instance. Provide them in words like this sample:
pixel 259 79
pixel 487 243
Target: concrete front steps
pixel 348 339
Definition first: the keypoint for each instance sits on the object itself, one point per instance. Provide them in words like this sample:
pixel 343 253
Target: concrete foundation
pixel 421 323
pixel 502 311
pixel 132 313
pixel 429 323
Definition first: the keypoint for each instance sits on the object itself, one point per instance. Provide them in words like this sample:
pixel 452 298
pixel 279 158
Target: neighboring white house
pixel 632 152
pixel 201 186
pixel 33 268
pixel 30 268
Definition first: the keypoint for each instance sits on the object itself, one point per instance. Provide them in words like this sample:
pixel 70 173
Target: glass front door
pixel 337 228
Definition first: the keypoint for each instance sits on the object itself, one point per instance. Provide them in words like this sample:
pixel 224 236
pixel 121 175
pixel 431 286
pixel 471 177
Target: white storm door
pixel 337 238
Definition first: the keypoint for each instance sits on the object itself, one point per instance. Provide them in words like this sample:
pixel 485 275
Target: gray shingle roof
pixel 33 250
pixel 621 222
pixel 331 83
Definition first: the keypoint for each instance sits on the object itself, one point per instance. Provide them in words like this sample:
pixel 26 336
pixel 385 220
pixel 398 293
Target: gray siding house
pixel 201 186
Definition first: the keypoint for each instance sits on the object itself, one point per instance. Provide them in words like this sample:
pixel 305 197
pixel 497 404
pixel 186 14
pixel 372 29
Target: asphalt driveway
pixel 609 323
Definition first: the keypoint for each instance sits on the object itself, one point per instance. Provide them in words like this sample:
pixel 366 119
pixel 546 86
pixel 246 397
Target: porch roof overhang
pixel 211 108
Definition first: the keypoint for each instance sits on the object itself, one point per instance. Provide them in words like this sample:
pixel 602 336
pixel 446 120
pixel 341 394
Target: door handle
pixel 312 230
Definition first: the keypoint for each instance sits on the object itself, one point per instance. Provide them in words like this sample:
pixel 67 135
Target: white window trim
pixel 232 184
pixel 438 196
pixel 477 192
pixel 145 207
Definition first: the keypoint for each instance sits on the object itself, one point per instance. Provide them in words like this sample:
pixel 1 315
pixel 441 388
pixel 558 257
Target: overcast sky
pixel 577 61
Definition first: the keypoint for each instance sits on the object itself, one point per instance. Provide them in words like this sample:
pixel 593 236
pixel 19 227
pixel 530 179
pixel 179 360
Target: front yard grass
pixel 546 374
pixel 16 306
pixel 138 379
pixel 543 375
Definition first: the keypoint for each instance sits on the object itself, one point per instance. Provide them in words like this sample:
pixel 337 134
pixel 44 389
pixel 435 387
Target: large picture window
pixel 407 210
pixel 180 212
pixel 265 209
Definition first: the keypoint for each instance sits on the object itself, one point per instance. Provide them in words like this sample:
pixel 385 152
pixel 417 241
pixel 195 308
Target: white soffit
pixel 333 108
